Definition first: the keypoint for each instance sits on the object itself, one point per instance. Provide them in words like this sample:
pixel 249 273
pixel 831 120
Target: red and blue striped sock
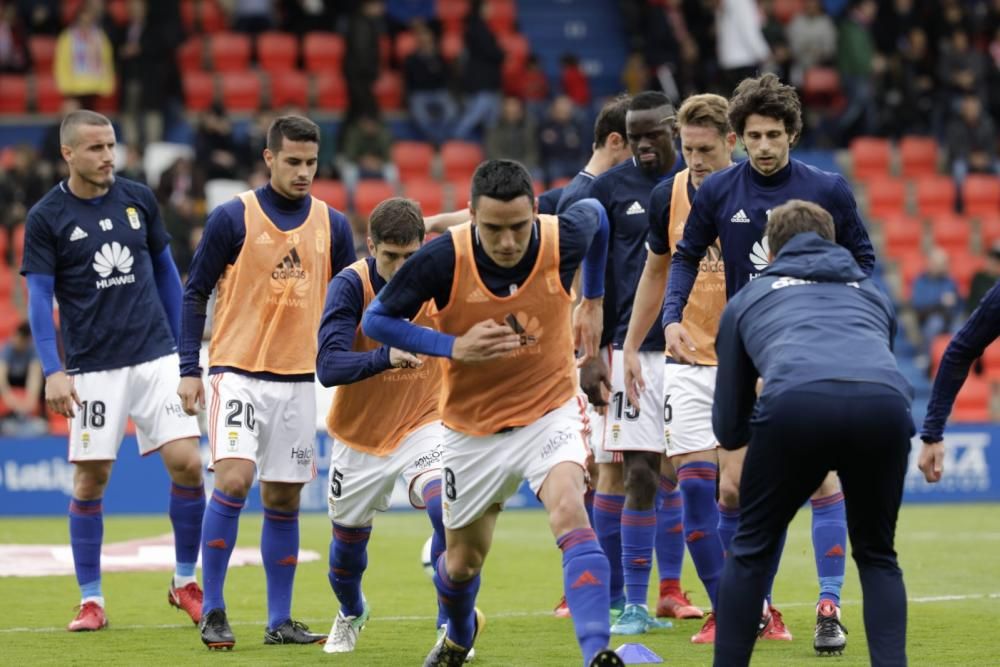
pixel 187 511
pixel 218 538
pixel 432 501
pixel 638 537
pixel 86 534
pixel 459 600
pixel 348 562
pixel 608 527
pixel 701 522
pixel 829 536
pixel 279 549
pixel 669 533
pixel 585 577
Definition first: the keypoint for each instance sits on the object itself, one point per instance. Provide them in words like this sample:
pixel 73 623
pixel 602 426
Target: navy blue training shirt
pixel 972 339
pixel 100 252
pixel 733 205
pixel 221 244
pixel 575 190
pixel 811 316
pixel 624 192
pixel 336 362
pixel 548 201
pixel 428 274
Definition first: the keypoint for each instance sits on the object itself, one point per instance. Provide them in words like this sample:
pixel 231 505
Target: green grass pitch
pixel 950 556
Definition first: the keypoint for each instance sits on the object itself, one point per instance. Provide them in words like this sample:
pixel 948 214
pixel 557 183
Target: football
pixel 425 558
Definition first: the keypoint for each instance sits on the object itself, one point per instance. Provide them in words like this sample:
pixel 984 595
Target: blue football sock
pixel 348 561
pixel 669 533
pixel 279 549
pixel 829 534
pixel 701 523
pixel 86 533
pixel 218 538
pixel 187 511
pixel 638 536
pixel 585 574
pixel 432 501
pixel 729 521
pixel 459 600
pixel 608 526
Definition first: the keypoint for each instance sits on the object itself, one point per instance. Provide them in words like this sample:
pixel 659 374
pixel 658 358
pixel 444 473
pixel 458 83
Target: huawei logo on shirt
pixel 760 256
pixel 110 258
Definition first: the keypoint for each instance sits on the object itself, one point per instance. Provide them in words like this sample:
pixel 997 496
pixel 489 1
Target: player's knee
pixel 234 484
pixel 640 485
pixel 830 486
pixel 567 514
pixel 729 491
pixel 463 563
pixel 89 481
pixel 186 471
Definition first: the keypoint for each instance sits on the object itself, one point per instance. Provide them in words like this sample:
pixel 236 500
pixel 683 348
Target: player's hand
pixel 634 382
pixel 486 340
pixel 588 324
pixel 595 380
pixel 931 461
pixel 403 359
pixel 192 393
pixel 679 343
pixel 60 395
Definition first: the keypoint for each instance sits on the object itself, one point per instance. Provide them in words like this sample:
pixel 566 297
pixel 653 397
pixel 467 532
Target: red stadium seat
pixel 108 104
pixel 452 44
pixel 938 346
pixel 910 266
pixel 384 51
pixel 369 193
pixel 199 90
pixel 951 233
pixel 786 10
pixel 413 159
pixel 13 94
pixel 189 15
pixel 973 401
pixel 501 15
pixel 821 88
pixel 870 157
pixel 70 9
pixel 191 54
pixel 240 91
pixel 332 192
pixel 918 156
pixel 516 46
pixel 459 159
pixel 388 90
pixel 4 247
pixel 406 43
pixel 229 52
pixel 461 189
pixel 452 13
pixel 962 267
pixel 48 99
pixel 429 194
pixel 935 196
pixel 331 92
pixel 212 18
pixel 277 51
pixel 991 362
pixel 323 52
pixel 989 231
pixel 6 284
pixel 43 51
pixel 289 89
pixel 886 197
pixel 981 195
pixel 118 11
pixel 902 235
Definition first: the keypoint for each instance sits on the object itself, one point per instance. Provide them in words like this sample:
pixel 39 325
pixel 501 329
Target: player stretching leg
pixel 502 285
pixel 271 253
pixel 98 245
pixel 384 419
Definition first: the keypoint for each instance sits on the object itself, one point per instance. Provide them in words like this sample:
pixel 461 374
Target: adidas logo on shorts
pixel 740 217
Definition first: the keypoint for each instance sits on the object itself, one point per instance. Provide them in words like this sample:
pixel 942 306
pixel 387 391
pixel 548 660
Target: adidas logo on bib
pixel 635 209
pixel 264 239
pixel 740 217
pixel 476 296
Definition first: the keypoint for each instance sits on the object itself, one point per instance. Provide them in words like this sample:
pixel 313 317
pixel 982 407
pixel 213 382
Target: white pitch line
pixel 502 614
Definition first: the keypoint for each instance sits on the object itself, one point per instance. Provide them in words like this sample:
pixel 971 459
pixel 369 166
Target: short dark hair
pixel 610 119
pixel 396 220
pixel 797 217
pixel 293 128
pixel 67 129
pixel 766 96
pixel 649 99
pixel 505 180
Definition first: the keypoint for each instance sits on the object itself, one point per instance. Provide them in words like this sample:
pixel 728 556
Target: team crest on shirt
pixel 133 217
pixel 234 440
pixel 85 439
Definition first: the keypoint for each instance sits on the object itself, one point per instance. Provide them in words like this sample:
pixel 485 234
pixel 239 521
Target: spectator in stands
pixel 51 150
pixel 13 41
pixel 812 40
pixel 145 51
pixel 84 62
pixel 40 17
pixel 676 48
pixel 181 193
pixel 993 77
pixel 917 77
pixel 971 140
pixel 480 77
pixel 21 186
pixel 985 278
pixel 514 136
pixel 741 46
pixel 893 24
pixel 362 59
pixel 562 142
pixel 402 13
pixel 252 16
pixel 365 148
pixel 635 74
pixel 574 81
pixel 432 108
pixel 935 299
pixel 216 150
pixel 531 86
pixel 133 169
pixel 302 16
pixel 855 61
pixel 21 384
pixel 961 71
